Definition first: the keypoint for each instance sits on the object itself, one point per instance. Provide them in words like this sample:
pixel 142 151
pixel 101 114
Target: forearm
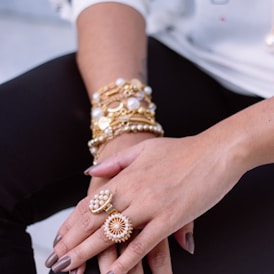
pixel 248 136
pixel 111 44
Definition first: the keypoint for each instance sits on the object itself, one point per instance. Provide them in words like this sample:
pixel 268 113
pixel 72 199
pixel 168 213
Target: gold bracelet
pixel 121 107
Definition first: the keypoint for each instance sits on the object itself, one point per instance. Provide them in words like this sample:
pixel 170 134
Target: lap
pixel 44 120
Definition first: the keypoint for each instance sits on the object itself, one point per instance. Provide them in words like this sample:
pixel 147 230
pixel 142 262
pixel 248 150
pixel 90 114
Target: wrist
pixel 122 142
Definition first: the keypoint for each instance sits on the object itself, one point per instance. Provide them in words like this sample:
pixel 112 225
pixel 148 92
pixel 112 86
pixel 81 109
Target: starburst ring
pixel 117 227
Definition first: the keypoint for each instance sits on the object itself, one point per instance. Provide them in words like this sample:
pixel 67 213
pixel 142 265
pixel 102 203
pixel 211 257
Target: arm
pixel 112 44
pixel 199 170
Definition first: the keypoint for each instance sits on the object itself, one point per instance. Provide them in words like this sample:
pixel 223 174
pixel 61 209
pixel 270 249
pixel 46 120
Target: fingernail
pixel 190 245
pixel 63 263
pixel 110 272
pixel 74 271
pixel 51 260
pixel 86 172
pixel 57 239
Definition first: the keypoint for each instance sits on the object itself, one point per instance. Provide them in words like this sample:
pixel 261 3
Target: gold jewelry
pixel 121 107
pixel 117 227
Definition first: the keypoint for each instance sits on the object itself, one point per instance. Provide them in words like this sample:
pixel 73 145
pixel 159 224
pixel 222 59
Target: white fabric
pixel 223 37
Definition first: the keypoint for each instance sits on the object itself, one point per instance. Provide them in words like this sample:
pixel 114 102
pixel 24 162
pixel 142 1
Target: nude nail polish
pixel 61 264
pixel 110 272
pixel 190 245
pixel 57 239
pixel 86 172
pixel 51 260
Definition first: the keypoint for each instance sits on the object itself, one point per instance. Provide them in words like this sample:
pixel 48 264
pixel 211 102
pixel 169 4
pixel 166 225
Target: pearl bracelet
pixel 121 107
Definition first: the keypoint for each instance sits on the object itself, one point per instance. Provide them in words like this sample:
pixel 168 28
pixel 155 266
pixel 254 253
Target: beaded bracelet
pixel 121 107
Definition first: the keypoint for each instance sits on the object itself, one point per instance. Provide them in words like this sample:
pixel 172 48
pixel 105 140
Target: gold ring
pixel 117 227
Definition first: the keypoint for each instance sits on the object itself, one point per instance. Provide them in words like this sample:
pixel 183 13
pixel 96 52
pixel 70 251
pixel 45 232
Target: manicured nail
pixel 57 239
pixel 86 172
pixel 61 264
pixel 190 245
pixel 110 272
pixel 51 260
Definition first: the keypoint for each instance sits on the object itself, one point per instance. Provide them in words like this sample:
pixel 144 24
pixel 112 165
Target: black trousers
pixel 44 129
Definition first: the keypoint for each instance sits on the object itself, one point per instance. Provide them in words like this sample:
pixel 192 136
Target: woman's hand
pixel 158 258
pixel 161 184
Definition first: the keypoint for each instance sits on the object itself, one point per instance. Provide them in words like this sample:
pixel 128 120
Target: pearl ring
pixel 117 227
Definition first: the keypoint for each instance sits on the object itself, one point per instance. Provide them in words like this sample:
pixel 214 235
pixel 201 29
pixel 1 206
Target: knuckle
pixel 86 223
pixel 121 267
pixel 102 236
pixel 62 247
pixel 82 206
pixel 79 255
pixel 64 228
pixel 158 259
pixel 138 248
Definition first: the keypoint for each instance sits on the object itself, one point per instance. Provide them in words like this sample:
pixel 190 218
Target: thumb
pixel 184 237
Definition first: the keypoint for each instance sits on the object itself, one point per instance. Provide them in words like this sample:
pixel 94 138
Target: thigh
pixel 236 236
pixel 188 100
pixel 44 120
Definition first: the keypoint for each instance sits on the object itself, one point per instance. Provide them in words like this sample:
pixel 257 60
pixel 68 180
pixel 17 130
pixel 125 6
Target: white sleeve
pixel 70 10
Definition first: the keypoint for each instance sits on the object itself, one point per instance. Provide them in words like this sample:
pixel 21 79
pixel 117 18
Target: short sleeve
pixel 70 9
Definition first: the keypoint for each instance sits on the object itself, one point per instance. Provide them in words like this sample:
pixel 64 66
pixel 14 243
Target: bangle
pixel 121 107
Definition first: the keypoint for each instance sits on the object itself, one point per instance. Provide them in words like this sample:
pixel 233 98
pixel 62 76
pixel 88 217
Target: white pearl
pixel 152 107
pixel 93 150
pixel 104 122
pixel 96 97
pixel 119 82
pixel 108 131
pixel 148 90
pixel 116 226
pixel 96 113
pixel 132 103
pixel 140 95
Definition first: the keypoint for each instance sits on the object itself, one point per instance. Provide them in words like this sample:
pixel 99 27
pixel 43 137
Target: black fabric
pixel 44 127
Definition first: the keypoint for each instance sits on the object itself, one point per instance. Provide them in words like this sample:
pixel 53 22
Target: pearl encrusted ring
pixel 117 227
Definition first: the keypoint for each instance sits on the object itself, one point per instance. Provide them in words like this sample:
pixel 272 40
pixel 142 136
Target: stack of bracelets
pixel 121 107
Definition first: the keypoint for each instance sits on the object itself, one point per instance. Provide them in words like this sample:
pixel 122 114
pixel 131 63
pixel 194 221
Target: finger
pixel 81 209
pixel 80 270
pixel 137 269
pixel 159 258
pixel 96 243
pixel 89 248
pixel 80 219
pixel 106 258
pixel 184 237
pixel 114 164
pixel 138 248
pixel 86 225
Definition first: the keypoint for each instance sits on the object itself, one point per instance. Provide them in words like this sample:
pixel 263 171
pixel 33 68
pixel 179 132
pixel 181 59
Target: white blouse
pixel 223 37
